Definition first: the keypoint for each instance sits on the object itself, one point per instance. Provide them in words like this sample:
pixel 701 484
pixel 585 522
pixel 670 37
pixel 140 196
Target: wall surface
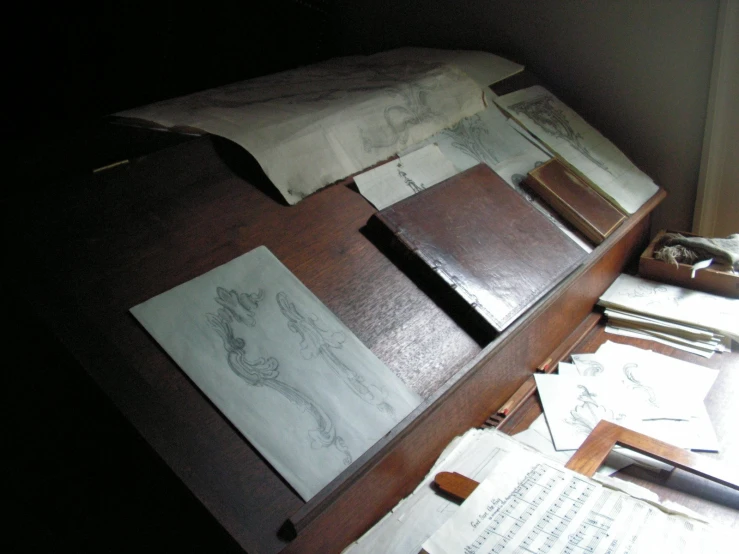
pixel 638 71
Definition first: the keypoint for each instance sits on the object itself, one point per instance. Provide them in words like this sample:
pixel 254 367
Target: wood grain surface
pixel 87 254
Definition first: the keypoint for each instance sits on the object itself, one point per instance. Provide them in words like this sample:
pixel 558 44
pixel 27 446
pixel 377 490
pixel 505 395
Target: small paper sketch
pixel 389 183
pixel 548 116
pixel 317 341
pixel 284 370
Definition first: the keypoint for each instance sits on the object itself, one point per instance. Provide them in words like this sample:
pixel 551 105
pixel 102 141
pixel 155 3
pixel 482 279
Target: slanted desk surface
pixel 142 228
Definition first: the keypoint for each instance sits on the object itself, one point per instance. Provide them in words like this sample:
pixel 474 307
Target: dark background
pixel 78 477
pixel 67 65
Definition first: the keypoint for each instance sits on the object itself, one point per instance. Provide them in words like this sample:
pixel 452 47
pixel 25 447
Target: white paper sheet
pixel 573 406
pixel 570 136
pixel 414 519
pixel 533 505
pixel 669 341
pixel 280 366
pixel 665 375
pixel 409 174
pixel 312 126
pixel 691 307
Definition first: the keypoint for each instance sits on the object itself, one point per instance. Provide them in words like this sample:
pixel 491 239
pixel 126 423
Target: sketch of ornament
pixel 628 370
pixel 586 415
pixel 554 121
pixel 412 110
pixel 318 342
pixel 264 372
pixel 240 306
pixel 469 136
pixel 590 367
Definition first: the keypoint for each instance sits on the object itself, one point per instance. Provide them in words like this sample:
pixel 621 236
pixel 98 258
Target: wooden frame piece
pixel 606 435
pixel 596 448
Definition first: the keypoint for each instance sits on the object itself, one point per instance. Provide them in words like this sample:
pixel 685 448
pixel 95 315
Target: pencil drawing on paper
pixel 554 121
pixel 656 295
pixel 586 415
pixel 318 342
pixel 410 183
pixel 637 385
pixel 469 136
pixel 413 109
pixel 264 372
pixel 590 367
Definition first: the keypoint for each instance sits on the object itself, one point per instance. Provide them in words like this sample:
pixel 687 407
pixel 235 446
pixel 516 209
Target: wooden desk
pixel 125 235
pixel 719 503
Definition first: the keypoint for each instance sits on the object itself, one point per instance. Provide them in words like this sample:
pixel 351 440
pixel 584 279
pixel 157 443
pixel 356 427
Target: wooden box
pixel 716 279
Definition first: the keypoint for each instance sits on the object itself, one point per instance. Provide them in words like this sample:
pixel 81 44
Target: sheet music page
pixel 415 518
pixel 533 505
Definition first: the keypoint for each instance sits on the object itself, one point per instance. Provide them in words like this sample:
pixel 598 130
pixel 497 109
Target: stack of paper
pixel 694 321
pixel 533 505
pixel 477 455
pixel 404 530
pixel 639 389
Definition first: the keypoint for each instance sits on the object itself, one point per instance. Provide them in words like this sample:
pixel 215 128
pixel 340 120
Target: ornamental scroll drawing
pixel 554 121
pixel 264 372
pixel 586 415
pixel 317 341
pixel 637 385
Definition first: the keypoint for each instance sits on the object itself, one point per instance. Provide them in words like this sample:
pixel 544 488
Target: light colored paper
pixel 665 375
pixel 415 518
pixel 391 182
pixel 280 366
pixel 312 126
pixel 669 341
pixel 485 138
pixel 641 296
pixel 572 138
pixel 573 406
pixel 533 505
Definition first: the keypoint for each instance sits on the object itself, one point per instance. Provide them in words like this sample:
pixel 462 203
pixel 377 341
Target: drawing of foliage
pixel 318 342
pixel 553 120
pixel 469 136
pixel 264 372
